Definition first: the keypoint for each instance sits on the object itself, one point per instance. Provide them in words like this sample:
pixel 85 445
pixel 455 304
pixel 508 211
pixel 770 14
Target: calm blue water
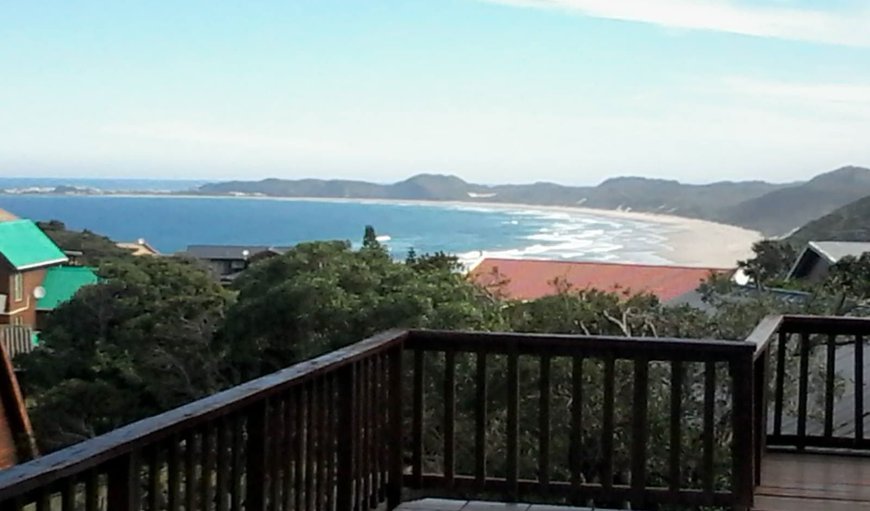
pixel 172 223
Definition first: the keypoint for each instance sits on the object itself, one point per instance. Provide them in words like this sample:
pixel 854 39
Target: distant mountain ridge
pixel 774 209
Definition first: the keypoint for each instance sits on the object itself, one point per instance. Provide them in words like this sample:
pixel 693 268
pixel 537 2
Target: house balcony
pixel 536 419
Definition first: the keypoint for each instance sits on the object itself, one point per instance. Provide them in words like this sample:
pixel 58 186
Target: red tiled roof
pixel 528 279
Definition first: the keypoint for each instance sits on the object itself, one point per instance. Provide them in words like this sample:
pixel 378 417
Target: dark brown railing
pixel 538 418
pixel 814 370
pixel 313 436
pixel 530 370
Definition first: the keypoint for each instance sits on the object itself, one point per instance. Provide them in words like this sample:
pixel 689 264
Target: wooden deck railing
pixel 523 376
pixel 538 418
pixel 815 367
pixel 313 436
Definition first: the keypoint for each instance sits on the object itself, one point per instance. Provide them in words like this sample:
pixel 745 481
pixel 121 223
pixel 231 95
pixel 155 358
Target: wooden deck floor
pixel 810 482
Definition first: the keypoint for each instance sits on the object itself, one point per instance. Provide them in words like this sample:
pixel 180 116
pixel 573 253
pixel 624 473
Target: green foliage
pixel 320 296
pixel 138 343
pixel 94 247
pixel 773 259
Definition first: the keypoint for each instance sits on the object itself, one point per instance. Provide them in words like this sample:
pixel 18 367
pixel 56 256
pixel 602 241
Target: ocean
pixel 170 223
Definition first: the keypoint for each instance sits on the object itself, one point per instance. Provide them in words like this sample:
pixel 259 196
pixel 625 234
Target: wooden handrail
pixel 45 471
pixel 763 334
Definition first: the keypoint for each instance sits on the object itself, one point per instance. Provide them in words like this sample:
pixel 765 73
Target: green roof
pixel 25 246
pixel 62 282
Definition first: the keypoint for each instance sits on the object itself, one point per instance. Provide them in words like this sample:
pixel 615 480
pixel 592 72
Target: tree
pixel 324 295
pixel 136 344
pixel 94 247
pixel 773 259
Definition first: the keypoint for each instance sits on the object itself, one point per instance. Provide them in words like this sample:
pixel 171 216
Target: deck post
pixel 396 443
pixel 743 426
pixel 761 384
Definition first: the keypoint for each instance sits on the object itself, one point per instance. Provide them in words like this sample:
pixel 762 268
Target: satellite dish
pixel 246 253
pixel 39 292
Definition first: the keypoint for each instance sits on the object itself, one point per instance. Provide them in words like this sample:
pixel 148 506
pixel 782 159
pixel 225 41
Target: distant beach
pixel 471 230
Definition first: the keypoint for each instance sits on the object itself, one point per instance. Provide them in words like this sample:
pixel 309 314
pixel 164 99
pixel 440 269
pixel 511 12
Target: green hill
pixel 848 223
pixel 773 209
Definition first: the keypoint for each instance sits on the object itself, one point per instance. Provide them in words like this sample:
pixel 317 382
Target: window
pixel 18 287
pixel 17 321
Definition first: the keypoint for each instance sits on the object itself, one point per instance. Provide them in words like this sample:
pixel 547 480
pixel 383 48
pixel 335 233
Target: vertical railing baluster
pixel 676 440
pixel 173 474
pixel 190 471
pixel 396 411
pixel 480 412
pixel 223 464
pixel 153 479
pixel 375 412
pixel 576 439
pixel 363 460
pixel 123 491
pixel 238 425
pixel 607 425
pixel 513 425
pixel 257 452
pixel 43 500
pixel 449 417
pixel 346 439
pixel 92 491
pixel 299 450
pixel 276 454
pixel 803 390
pixel 68 495
pixel 207 467
pixel 779 391
pixel 640 432
pixel 290 467
pixel 709 421
pixel 859 387
pixel 544 425
pixel 310 445
pixel 830 369
pixel 332 410
pixel 417 422
pixel 323 448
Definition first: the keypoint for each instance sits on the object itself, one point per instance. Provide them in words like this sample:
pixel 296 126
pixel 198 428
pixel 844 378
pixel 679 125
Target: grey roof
pixel 230 252
pixel 833 251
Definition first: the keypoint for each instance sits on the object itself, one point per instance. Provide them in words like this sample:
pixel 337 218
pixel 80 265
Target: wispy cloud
pixel 832 26
pixel 856 95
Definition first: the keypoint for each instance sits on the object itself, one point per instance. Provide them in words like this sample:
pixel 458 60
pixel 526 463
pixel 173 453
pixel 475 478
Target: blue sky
pixel 572 91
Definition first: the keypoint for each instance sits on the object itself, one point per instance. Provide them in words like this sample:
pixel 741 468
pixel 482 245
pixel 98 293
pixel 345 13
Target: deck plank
pixel 813 481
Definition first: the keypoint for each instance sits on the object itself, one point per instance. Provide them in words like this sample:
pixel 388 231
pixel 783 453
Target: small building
pixel 26 254
pixel 814 263
pixel 227 261
pixel 34 275
pixel 529 279
pixel 139 247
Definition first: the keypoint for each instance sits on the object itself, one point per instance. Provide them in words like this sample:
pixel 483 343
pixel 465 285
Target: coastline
pixel 687 241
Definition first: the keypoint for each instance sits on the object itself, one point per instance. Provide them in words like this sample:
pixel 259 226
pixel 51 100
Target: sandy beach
pixel 690 242
pixel 687 241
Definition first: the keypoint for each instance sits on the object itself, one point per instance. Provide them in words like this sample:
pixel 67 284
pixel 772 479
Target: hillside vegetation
pixel 774 209
pixel 848 223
